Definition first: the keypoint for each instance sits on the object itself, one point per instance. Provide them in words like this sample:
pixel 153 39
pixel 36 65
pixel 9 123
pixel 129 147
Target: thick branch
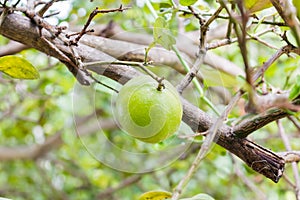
pixel 19 28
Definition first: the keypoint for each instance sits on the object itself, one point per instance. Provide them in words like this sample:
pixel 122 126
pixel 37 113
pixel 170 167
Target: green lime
pixel 146 113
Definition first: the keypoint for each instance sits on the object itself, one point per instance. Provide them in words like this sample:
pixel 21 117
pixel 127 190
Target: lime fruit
pixel 147 113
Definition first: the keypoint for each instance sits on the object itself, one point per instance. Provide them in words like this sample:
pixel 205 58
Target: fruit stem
pixel 161 85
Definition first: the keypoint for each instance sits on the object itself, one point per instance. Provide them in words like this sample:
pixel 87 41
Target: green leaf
pixel 187 2
pixel 162 35
pixel 200 197
pixel 295 89
pixel 155 195
pixel 17 67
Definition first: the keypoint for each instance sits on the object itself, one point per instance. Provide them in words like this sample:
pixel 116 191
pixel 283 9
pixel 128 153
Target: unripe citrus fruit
pixel 146 113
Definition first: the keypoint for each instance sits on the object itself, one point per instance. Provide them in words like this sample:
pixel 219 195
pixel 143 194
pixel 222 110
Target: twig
pixel 87 73
pixel 290 156
pixel 227 17
pixel 205 27
pixel 44 9
pixel 256 37
pixel 198 16
pixel 288 180
pixel 189 76
pixel 288 147
pixel 202 50
pixel 288 15
pixel 92 15
pixel 131 63
pixel 224 42
pixel 210 138
pixel 295 122
pixel 191 73
pixel 266 65
pixel 51 14
pixel 257 191
pixel 185 83
pixel 242 40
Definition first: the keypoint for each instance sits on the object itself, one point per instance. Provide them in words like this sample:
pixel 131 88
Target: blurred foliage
pixel 33 111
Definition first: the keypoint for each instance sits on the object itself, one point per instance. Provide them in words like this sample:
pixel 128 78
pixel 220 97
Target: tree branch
pixel 19 28
pixel 290 156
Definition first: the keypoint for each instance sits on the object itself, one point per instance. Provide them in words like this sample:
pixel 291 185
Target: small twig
pixel 198 62
pixel 197 85
pixel 62 56
pixel 288 180
pixel 198 16
pixel 82 68
pixel 15 5
pixel 249 183
pixel 295 122
pixel 290 156
pixel 288 147
pixel 51 14
pixel 267 64
pixel 41 23
pixel 212 134
pixel 243 42
pixel 256 37
pixel 132 63
pixel 205 27
pixel 227 17
pixel 77 33
pixel 44 9
pixel 228 41
pixel 4 3
pixel 69 63
pixel 191 72
pixel 288 15
pixel 92 15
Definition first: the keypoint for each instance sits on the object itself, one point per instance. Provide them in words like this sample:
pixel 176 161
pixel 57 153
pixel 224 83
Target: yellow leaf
pixel 155 195
pixel 17 67
pixel 257 5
